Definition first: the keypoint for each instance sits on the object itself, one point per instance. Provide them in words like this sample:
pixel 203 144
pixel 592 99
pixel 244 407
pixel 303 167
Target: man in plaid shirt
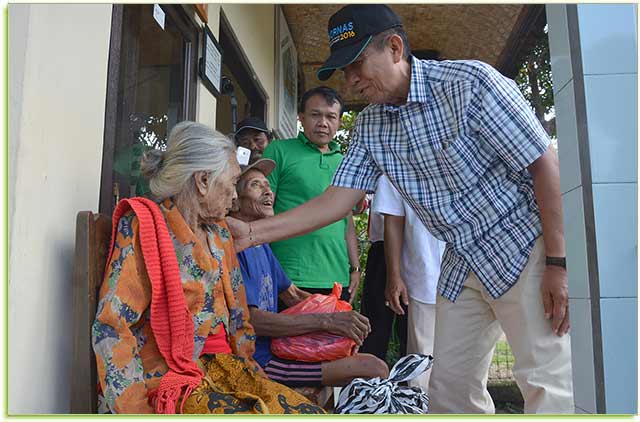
pixel 463 148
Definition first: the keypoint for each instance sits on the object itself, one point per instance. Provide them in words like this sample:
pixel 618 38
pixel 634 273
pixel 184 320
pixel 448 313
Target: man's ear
pixel 201 179
pixel 397 47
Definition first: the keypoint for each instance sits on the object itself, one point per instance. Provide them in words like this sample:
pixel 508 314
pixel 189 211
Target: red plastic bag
pixel 318 346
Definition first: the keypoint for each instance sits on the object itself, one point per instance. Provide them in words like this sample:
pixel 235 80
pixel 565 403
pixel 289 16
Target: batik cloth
pixel 230 386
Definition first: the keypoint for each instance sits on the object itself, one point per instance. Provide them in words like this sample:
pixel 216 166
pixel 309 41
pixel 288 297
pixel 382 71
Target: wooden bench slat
pixel 93 233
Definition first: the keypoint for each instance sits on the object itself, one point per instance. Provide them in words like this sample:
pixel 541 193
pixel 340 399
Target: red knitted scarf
pixel 171 321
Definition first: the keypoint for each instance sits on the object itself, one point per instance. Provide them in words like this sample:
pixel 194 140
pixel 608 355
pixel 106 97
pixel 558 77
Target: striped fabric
pixel 294 374
pixel 385 396
pixel 458 152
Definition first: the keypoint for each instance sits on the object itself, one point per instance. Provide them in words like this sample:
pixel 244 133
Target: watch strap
pixel 559 261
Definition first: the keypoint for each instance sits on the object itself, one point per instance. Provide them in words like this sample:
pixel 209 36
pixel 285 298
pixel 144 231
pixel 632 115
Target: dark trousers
pixel 372 306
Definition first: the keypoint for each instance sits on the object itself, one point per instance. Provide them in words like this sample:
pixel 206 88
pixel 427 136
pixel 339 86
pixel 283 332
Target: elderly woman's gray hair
pixel 191 147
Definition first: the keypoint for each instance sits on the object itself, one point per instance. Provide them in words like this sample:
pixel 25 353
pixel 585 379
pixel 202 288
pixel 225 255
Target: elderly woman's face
pixel 218 199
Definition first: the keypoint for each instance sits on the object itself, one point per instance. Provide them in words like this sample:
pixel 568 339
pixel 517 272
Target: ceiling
pixel 492 33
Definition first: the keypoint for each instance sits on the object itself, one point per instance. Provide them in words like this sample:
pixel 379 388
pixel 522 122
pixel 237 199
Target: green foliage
pixel 502 354
pixel 127 163
pixel 343 136
pixel 536 84
pixel 393 349
pixel 147 132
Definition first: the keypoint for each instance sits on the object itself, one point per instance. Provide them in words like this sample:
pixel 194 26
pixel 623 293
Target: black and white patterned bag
pixel 385 396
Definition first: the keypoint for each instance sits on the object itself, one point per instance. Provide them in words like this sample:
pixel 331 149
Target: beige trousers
pixel 465 338
pixel 421 324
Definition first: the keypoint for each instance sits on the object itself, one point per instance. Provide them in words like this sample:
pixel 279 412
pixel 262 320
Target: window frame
pixel 191 36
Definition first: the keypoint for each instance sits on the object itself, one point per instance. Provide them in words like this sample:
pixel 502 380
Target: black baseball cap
pixel 350 31
pixel 251 123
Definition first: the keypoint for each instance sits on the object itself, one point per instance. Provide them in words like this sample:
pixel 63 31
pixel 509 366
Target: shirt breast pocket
pixel 451 160
pixel 458 159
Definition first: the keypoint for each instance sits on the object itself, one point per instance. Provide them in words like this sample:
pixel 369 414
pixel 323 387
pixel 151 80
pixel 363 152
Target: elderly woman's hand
pixel 241 234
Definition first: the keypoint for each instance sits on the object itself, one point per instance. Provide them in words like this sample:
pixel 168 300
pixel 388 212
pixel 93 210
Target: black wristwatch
pixel 558 261
pixel 353 269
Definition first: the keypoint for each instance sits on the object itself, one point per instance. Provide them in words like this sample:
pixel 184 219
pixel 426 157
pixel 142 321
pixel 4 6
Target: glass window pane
pixel 151 92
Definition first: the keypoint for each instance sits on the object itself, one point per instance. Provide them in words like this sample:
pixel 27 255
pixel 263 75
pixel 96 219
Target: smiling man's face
pixel 320 120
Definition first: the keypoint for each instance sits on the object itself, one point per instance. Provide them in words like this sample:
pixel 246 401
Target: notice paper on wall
pixel 158 15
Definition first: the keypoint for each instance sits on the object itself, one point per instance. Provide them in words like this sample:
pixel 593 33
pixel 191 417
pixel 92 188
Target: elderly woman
pixel 173 335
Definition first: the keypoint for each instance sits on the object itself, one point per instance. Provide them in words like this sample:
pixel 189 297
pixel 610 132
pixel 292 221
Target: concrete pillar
pixel 594 64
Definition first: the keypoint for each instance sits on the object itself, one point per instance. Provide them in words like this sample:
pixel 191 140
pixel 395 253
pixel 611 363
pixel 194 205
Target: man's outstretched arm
pixel 332 205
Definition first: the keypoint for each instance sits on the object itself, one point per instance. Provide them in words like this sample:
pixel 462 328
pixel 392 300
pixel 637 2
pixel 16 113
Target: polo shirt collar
pixel 333 145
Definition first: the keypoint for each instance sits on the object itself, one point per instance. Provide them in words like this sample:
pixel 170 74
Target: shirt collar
pixel 418 90
pixel 333 145
pixel 418 87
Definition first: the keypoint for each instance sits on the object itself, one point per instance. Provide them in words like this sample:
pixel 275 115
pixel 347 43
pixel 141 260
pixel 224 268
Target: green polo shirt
pixel 302 172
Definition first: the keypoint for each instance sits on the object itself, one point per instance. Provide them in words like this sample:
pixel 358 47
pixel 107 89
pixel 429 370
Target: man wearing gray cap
pixel 461 145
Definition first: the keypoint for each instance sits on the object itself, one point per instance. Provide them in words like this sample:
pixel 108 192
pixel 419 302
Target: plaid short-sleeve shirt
pixel 458 152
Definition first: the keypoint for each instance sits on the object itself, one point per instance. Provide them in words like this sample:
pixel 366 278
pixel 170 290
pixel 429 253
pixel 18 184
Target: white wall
pixel 57 80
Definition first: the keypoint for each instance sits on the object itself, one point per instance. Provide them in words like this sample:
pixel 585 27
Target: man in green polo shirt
pixel 304 168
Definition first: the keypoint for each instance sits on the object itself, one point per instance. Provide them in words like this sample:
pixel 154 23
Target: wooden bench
pixel 93 234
